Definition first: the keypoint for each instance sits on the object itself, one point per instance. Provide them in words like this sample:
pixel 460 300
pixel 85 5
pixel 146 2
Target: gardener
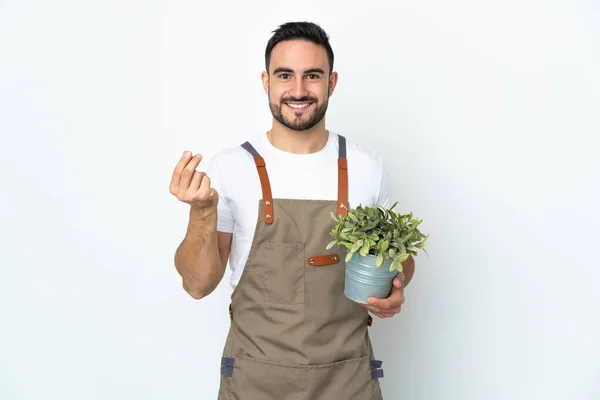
pixel 266 208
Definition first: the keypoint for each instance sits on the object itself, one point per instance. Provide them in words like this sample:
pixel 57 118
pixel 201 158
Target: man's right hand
pixel 193 187
pixel 201 258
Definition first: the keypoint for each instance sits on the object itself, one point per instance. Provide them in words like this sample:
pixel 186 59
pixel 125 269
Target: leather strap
pixel 267 196
pixel 342 186
pixel 342 178
pixel 328 259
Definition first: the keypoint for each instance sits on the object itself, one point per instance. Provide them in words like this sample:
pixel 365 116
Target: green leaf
pixel 357 246
pixel 335 218
pixel 331 244
pixel 392 252
pixel 364 249
pixel 408 236
pixel 349 256
pixel 401 248
pixel 396 266
pixel 379 261
pixel 385 245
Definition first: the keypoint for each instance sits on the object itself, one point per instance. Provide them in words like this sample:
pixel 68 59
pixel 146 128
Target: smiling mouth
pixel 298 106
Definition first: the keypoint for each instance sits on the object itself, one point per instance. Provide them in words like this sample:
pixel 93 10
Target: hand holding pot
pixel 387 308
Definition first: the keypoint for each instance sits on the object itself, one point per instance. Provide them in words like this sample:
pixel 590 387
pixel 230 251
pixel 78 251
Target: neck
pixel 298 142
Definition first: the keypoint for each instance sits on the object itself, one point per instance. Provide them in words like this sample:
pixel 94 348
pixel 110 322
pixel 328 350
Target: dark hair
pixel 299 30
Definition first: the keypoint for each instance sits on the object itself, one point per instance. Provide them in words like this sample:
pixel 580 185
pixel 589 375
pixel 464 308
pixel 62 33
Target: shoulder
pixel 233 158
pixel 229 156
pixel 362 157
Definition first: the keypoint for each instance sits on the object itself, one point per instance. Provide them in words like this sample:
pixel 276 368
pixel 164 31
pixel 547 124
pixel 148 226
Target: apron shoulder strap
pixel 267 196
pixel 342 178
pixel 342 146
pixel 250 149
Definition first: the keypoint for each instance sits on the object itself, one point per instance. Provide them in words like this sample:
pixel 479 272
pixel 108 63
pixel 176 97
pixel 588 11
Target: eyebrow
pixel 308 71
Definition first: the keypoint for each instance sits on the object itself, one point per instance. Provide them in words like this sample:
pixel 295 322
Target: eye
pixel 284 76
pixel 313 76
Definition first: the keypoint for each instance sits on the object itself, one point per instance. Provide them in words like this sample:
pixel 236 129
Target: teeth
pixel 303 105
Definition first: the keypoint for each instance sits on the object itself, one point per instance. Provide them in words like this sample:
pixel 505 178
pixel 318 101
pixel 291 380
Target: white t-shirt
pixel 314 176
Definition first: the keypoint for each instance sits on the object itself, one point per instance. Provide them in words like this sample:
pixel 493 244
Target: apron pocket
pixel 283 272
pixel 349 379
pixel 255 379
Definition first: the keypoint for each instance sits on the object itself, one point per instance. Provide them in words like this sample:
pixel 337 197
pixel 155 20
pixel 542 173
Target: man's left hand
pixel 387 308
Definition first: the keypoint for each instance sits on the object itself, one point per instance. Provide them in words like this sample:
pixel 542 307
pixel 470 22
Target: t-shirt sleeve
pixel 225 220
pixel 384 196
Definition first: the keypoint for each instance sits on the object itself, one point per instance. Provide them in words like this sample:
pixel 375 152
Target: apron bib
pixel 294 335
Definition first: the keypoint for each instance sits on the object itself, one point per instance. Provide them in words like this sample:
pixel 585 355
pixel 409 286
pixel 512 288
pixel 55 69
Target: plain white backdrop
pixel 487 114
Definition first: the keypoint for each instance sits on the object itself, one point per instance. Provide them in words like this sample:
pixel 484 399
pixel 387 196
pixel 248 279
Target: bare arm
pixel 202 256
pixel 408 269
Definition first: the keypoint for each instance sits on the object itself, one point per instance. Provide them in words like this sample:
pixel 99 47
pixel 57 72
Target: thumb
pixel 399 279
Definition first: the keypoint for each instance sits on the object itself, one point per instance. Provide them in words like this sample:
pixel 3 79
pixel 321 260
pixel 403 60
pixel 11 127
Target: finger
pixel 400 277
pixel 376 303
pixel 188 172
pixel 374 309
pixel 398 283
pixel 195 183
pixel 204 191
pixel 176 177
pixel 383 315
pixel 393 310
pixel 396 298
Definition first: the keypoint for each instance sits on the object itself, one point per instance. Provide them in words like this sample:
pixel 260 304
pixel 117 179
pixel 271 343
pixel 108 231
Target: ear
pixel 265 82
pixel 333 78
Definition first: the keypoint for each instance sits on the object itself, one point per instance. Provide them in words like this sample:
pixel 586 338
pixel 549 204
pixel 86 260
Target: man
pixel 265 207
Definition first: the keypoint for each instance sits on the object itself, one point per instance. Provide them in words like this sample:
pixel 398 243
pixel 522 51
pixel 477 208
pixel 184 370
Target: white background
pixel 487 114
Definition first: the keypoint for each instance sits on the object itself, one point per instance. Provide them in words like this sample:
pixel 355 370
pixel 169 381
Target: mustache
pixel 299 99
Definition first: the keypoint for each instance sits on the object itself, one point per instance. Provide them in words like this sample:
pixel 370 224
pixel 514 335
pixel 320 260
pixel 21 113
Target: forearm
pixel 197 259
pixel 408 269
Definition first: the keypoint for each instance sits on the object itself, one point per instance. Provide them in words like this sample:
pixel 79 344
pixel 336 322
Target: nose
pixel 299 90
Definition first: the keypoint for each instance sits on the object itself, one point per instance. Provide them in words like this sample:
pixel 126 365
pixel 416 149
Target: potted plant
pixel 378 241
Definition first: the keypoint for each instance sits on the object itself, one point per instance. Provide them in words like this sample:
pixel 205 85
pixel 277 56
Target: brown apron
pixel 294 335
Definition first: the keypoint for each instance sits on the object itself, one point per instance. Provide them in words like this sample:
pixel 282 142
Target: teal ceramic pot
pixel 364 279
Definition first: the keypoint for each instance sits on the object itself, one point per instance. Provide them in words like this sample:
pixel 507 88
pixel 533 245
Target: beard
pixel 300 121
